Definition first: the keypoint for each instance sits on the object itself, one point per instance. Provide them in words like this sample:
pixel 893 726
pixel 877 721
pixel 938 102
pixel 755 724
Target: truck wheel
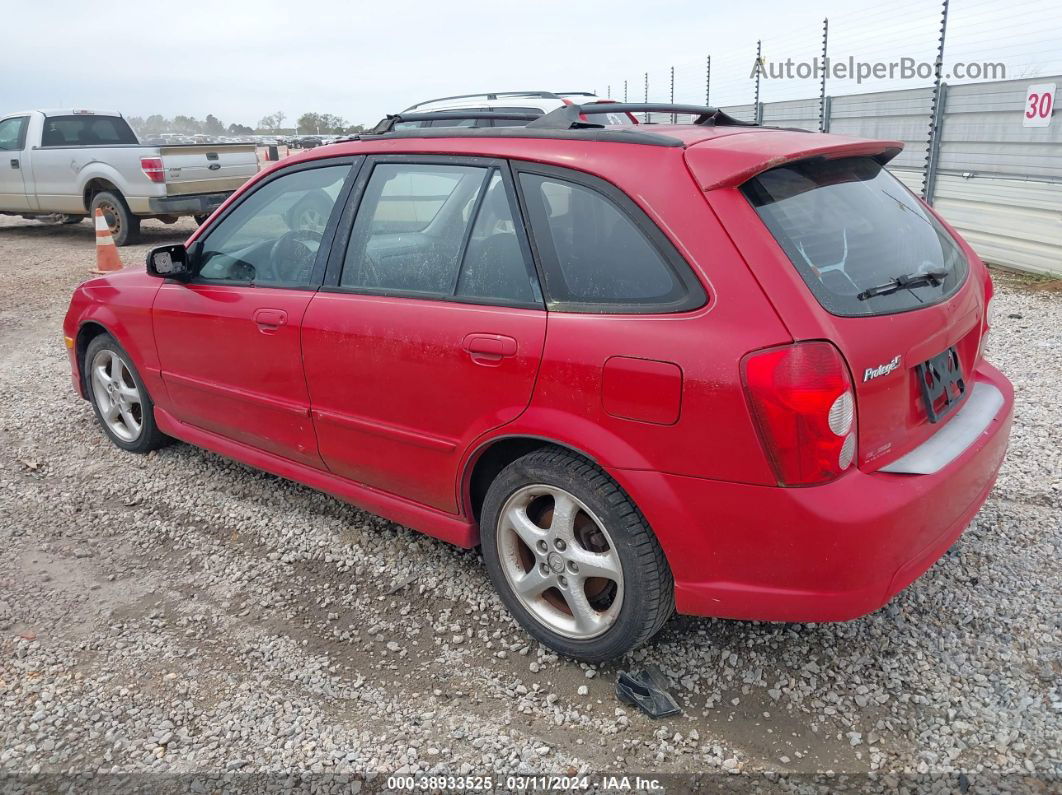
pixel 69 220
pixel 201 219
pixel 124 226
pixel 572 557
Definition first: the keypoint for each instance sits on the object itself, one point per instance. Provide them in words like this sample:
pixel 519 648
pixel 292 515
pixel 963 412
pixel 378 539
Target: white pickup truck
pixel 68 163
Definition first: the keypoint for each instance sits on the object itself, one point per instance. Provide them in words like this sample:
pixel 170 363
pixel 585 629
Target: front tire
pixel 124 226
pixel 572 557
pixel 119 398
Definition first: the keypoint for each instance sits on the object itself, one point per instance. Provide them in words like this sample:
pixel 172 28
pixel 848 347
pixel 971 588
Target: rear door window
pixel 849 227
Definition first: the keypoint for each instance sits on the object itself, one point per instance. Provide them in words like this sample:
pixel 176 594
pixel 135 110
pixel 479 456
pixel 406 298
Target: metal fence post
pixel 827 107
pixel 708 82
pixel 759 67
pixel 823 124
pixel 647 96
pixel 929 173
pixel 933 155
pixel 624 90
pixel 674 118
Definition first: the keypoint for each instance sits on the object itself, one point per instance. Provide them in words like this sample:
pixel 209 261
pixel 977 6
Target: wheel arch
pixel 86 332
pixel 100 183
pixel 492 456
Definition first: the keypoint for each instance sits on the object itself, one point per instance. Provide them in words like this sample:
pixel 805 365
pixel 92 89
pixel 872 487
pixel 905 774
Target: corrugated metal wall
pixel 998 182
pixel 982 134
pixel 802 113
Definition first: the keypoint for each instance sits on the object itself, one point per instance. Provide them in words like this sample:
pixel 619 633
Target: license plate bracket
pixel 942 384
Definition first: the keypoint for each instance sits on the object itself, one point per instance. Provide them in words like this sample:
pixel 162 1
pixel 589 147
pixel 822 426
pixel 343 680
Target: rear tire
pixel 123 407
pixel 201 219
pixel 124 226
pixel 70 220
pixel 584 574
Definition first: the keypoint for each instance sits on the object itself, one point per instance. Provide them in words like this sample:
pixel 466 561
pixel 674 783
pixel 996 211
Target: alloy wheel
pixel 117 396
pixel 560 561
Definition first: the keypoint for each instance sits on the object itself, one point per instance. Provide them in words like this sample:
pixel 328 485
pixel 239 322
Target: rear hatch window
pixel 862 243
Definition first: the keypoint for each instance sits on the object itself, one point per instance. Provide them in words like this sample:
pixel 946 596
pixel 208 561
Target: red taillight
pixel 152 167
pixel 802 401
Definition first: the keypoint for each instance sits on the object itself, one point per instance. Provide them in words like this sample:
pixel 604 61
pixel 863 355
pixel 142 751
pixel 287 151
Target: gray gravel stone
pixel 227 620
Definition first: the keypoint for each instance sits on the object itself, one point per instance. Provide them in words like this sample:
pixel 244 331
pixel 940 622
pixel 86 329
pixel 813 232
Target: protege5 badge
pixel 882 369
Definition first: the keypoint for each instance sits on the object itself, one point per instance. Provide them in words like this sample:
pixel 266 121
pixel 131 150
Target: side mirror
pixel 170 262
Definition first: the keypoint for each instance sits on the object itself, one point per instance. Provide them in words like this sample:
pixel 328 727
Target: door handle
pixel 489 349
pixel 269 320
pixel 14 162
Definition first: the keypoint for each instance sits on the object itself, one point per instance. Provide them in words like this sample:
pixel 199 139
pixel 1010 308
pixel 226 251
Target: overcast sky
pixel 241 60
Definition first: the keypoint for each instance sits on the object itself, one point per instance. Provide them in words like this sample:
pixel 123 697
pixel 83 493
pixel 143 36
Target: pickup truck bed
pixel 73 162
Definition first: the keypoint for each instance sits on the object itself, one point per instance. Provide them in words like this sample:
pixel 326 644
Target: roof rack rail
pixel 569 117
pixel 387 124
pixel 490 95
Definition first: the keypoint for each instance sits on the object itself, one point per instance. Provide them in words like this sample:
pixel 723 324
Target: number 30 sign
pixel 1039 102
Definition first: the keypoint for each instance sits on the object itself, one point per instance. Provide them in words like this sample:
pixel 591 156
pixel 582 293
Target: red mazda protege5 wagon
pixel 725 369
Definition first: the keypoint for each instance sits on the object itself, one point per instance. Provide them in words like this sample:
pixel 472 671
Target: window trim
pixel 327 237
pixel 695 296
pixel 338 254
pixel 21 141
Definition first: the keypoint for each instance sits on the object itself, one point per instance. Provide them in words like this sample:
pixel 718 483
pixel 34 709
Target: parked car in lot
pixel 74 162
pixel 729 369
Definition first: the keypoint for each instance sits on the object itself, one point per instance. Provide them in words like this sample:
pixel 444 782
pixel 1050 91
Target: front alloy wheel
pixel 117 396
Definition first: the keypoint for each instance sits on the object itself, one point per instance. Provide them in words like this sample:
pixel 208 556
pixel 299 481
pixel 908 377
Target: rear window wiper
pixel 934 278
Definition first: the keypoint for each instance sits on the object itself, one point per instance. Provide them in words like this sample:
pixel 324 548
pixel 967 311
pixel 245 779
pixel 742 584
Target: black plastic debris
pixel 647 690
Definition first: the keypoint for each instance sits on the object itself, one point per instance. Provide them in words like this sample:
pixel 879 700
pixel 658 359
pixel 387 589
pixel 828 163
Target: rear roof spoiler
pixel 745 156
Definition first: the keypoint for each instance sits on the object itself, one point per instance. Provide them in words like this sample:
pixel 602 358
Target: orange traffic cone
pixel 107 260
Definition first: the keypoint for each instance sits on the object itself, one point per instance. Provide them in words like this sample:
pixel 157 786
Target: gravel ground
pixel 181 613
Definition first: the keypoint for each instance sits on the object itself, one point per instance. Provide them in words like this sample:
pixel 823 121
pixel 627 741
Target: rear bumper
pixel 825 553
pixel 198 204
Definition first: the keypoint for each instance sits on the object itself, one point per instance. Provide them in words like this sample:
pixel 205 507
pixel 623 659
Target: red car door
pixel 229 341
pixel 429 328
